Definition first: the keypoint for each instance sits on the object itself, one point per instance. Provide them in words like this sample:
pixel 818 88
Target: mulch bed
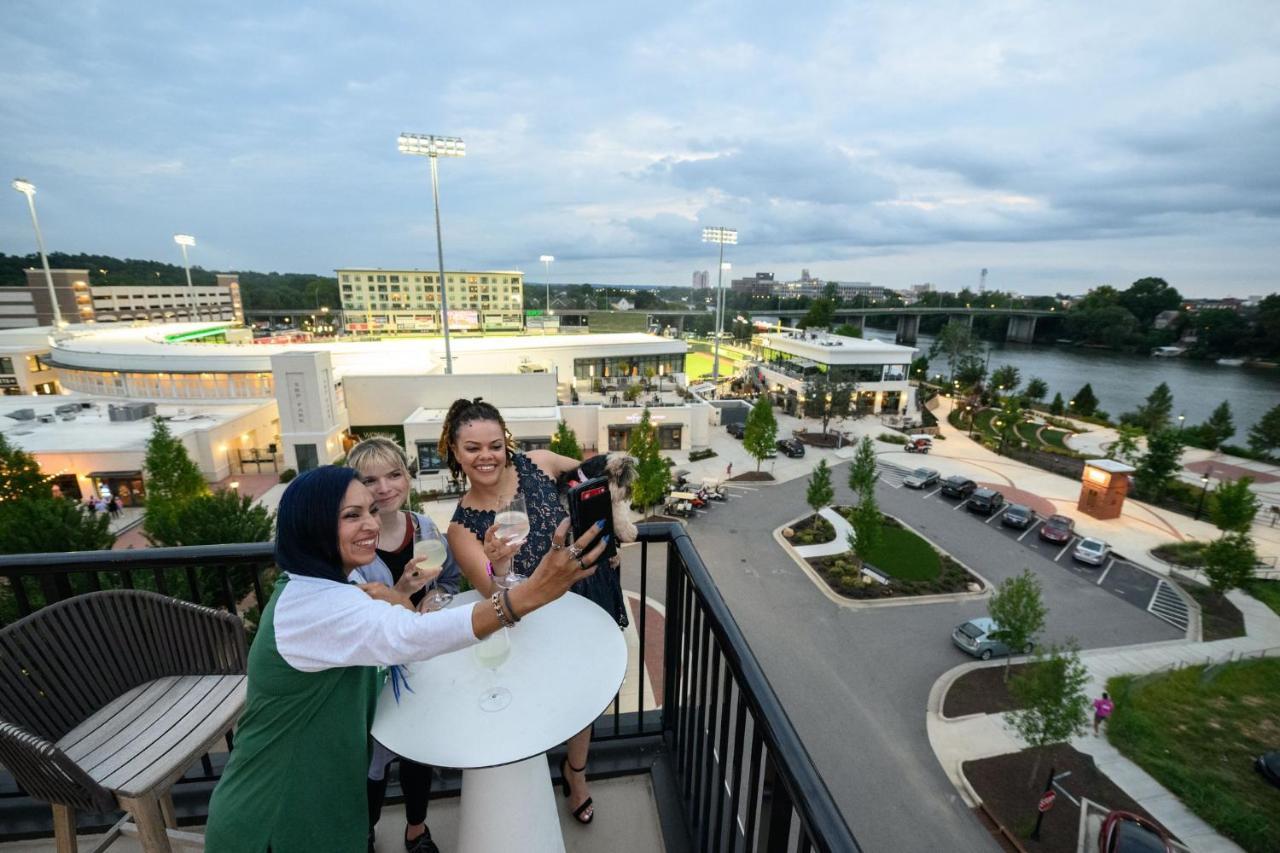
pixel 1006 788
pixel 981 691
pixel 1219 618
pixel 820 439
pixel 814 530
pixel 753 477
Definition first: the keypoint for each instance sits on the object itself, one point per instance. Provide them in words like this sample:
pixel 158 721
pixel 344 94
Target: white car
pixel 1092 551
pixel 921 478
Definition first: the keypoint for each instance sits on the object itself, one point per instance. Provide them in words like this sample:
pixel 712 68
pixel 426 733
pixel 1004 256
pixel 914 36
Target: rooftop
pixel 829 348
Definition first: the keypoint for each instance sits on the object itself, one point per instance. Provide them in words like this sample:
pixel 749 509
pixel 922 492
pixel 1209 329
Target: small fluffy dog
pixel 620 470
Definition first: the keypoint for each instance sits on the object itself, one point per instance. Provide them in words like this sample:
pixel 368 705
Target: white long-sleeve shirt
pixel 321 625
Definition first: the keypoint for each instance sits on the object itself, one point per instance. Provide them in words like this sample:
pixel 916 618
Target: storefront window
pixel 429 461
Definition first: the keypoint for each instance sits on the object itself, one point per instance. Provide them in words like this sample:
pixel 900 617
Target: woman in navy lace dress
pixel 475 442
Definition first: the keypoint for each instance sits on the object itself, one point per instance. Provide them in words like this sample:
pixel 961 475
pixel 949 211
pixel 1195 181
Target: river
pixel 1122 381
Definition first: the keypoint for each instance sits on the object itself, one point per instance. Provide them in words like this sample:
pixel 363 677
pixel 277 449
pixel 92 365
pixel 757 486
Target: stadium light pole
pixel 185 240
pixel 433 148
pixel 28 189
pixel 546 264
pixel 720 236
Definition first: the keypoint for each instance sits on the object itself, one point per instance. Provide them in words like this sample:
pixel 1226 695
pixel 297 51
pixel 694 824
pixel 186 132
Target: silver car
pixel 921 478
pixel 1092 551
pixel 974 637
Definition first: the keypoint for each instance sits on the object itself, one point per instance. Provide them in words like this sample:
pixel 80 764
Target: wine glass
pixel 490 653
pixel 512 520
pixel 430 552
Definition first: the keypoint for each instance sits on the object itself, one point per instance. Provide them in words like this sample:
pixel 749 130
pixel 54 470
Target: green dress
pixel 295 781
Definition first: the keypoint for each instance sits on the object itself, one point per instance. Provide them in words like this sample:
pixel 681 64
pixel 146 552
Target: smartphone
pixel 590 502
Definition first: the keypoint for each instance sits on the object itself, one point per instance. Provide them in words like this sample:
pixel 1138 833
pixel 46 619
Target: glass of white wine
pixel 490 653
pixel 429 553
pixel 512 519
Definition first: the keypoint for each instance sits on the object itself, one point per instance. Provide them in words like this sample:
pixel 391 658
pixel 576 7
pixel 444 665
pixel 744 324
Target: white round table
pixel 566 664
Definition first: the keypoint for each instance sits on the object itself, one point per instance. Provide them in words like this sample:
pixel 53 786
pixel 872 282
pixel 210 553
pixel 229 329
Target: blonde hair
pixel 379 450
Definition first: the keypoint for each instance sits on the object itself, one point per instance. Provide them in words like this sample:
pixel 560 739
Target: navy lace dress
pixel 542 502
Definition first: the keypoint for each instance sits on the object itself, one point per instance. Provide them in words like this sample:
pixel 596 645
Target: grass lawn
pixel 904 555
pixel 1197 731
pixel 982 422
pixel 1027 432
pixel 698 364
pixel 1056 438
pixel 1268 592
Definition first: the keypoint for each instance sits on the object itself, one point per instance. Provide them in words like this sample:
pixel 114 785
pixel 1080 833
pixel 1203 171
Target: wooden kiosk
pixel 1105 482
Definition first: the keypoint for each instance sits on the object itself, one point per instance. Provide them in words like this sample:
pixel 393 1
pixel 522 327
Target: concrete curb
pixel 951 676
pixel 900 601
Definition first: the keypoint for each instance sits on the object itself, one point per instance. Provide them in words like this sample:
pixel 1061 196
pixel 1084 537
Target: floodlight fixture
pixel 433 148
pixel 185 240
pixel 28 189
pixel 721 236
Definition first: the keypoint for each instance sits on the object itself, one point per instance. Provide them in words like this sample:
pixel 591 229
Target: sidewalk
pixel 984 735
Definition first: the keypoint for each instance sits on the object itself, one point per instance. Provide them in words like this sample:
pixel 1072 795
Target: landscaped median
pixel 903 565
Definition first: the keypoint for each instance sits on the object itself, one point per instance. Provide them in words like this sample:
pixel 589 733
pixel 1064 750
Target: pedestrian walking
pixel 1102 708
pixel 114 506
pixel 728 471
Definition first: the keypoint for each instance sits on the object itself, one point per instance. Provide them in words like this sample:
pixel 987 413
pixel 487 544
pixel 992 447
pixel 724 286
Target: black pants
pixel 415 782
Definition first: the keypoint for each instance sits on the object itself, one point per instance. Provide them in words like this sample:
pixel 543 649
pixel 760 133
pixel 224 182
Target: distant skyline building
pixel 408 300
pixel 761 284
pixel 701 279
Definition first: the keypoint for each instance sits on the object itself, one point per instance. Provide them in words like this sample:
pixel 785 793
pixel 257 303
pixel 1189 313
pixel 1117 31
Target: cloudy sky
pixel 1060 145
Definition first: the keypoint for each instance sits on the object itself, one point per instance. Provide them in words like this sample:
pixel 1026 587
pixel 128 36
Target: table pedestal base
pixel 508 808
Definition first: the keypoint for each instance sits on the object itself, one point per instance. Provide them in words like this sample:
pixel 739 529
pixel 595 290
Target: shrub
pixel 705 453
pixel 891 438
pixel 287 474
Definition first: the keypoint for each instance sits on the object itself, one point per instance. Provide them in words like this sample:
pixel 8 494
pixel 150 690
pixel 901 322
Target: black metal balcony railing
pixel 729 770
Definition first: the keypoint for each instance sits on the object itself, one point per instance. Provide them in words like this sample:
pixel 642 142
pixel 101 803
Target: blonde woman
pixel 384 468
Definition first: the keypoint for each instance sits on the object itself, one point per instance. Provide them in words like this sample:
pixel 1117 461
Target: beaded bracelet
pixel 497 608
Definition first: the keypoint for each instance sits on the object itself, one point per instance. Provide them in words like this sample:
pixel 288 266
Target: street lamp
pixel 28 189
pixel 1181 418
pixel 546 264
pixel 434 147
pixel 720 236
pixel 1204 488
pixel 185 240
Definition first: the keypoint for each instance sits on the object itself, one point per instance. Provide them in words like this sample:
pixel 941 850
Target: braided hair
pixel 462 412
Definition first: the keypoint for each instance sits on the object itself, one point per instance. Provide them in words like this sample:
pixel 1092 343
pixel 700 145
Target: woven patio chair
pixel 107 698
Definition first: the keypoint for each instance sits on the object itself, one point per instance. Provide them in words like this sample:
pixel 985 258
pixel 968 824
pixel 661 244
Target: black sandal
pixel 564 786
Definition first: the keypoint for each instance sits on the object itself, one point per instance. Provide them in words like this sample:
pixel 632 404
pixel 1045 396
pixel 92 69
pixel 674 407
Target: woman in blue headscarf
pixel 296 778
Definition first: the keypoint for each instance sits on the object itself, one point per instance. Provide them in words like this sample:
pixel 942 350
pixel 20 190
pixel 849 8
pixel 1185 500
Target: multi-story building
pixel 24 362
pixel 760 285
pixel 848 291
pixel 389 301
pixel 701 279
pixel 877 370
pixel 82 302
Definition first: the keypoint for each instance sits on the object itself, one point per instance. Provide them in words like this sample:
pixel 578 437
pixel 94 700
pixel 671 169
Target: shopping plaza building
pixel 878 370
pixel 398 301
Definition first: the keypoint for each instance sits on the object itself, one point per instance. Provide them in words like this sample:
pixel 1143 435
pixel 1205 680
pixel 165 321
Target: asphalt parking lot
pixel 1116 575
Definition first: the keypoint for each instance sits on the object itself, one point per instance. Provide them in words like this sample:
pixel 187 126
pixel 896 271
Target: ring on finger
pixel 578 560
pixel 575 551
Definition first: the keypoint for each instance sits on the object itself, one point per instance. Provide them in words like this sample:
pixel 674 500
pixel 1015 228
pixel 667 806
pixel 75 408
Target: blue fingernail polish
pixel 600 523
pixel 606 538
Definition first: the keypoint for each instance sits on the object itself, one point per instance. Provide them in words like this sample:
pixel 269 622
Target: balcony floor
pixel 626 822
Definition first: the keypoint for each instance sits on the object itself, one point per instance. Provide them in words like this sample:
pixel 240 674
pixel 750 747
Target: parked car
pixel 986 501
pixel 974 637
pixel 1126 832
pixel 1057 528
pixel 956 486
pixel 1018 516
pixel 921 478
pixel 1092 551
pixel 1268 764
pixel 791 448
pixel 736 430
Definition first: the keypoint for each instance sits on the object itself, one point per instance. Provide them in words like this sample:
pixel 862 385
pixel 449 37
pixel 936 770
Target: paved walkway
pixel 839 545
pixel 985 735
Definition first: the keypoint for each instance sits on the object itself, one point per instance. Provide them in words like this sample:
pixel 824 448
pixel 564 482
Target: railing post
pixel 671 640
pixel 775 810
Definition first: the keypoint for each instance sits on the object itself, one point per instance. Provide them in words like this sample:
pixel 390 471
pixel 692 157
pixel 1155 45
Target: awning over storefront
pixel 114 475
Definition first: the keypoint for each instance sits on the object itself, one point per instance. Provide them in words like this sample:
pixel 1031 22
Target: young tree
pixel 1019 612
pixel 862 470
pixel 1037 389
pixel 42 525
pixel 868 526
pixel 1220 426
pixel 1057 406
pixel 1054 706
pixel 20 475
pixel 1229 562
pixel 565 442
pixel 1154 414
pixel 171 475
pixel 1233 506
pixel 956 342
pixel 761 433
pixel 1157 467
pixel 652 477
pixel 848 330
pixel 820 492
pixel 1084 402
pixel 1264 436
pixel 1006 376
pixel 1006 422
pixel 1125 447
pixel 825 400
pixel 820 315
